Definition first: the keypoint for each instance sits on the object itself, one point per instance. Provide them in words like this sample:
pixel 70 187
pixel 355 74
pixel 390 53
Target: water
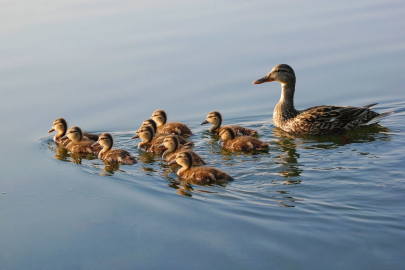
pixel 332 202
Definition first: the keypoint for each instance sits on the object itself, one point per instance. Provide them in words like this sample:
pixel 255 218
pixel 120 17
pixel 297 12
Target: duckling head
pixel 282 73
pixel 160 117
pixel 227 133
pixel 170 142
pixel 145 133
pixel 150 122
pixel 60 125
pixel 184 159
pixel 75 134
pixel 214 118
pixel 105 140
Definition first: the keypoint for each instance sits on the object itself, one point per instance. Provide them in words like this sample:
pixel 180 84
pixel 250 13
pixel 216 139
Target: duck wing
pixel 327 113
pixel 328 119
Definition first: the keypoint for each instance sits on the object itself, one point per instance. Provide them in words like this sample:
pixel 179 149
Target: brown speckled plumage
pixel 149 143
pixel 318 120
pixel 150 122
pixel 203 175
pixel 113 155
pixel 173 146
pixel 215 118
pixel 77 144
pixel 160 117
pixel 240 143
pixel 60 125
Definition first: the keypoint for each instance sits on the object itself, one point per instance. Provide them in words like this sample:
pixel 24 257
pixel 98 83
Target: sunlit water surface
pixel 330 202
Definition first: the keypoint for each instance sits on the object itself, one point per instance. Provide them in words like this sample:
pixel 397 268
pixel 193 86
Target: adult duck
pixel 317 120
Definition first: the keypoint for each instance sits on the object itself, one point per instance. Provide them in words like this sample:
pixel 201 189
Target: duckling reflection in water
pixel 241 143
pixel 215 118
pixel 205 175
pixel 159 137
pixel 317 120
pixel 160 117
pixel 77 144
pixel 60 125
pixel 112 155
pixel 173 146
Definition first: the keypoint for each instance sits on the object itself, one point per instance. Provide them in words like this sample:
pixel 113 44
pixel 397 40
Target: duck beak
pixel 96 143
pixel 64 137
pixel 136 136
pixel 172 162
pixel 51 130
pixel 263 80
pixel 161 145
pixel 205 122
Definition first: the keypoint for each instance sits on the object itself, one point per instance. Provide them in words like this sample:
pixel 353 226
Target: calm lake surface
pixel 332 202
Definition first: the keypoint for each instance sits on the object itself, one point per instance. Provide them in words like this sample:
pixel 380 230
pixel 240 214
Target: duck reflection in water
pixel 187 187
pixel 288 156
pixel 62 154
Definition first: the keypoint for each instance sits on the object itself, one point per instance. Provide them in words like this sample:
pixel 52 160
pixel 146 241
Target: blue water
pixel 331 202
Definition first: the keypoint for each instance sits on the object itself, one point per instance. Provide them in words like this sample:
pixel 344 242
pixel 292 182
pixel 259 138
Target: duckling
pixel 60 125
pixel 149 143
pixel 240 143
pixel 215 118
pixel 77 144
pixel 317 120
pixel 200 174
pixel 160 117
pixel 112 155
pixel 152 123
pixel 173 146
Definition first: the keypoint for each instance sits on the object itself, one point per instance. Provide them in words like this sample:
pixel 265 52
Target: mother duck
pixel 317 120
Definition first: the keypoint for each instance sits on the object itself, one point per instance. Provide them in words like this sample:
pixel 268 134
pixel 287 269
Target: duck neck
pixel 105 149
pixel 285 109
pixel 59 135
pixel 217 124
pixel 184 168
pixel 172 148
pixel 160 121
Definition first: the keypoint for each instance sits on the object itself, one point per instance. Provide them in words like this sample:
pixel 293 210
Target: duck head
pixel 160 117
pixel 75 134
pixel 105 140
pixel 214 118
pixel 60 125
pixel 282 73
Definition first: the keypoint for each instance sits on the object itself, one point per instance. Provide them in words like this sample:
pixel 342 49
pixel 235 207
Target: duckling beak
pixel 64 137
pixel 263 80
pixel 205 122
pixel 172 162
pixel 96 143
pixel 51 130
pixel 136 136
